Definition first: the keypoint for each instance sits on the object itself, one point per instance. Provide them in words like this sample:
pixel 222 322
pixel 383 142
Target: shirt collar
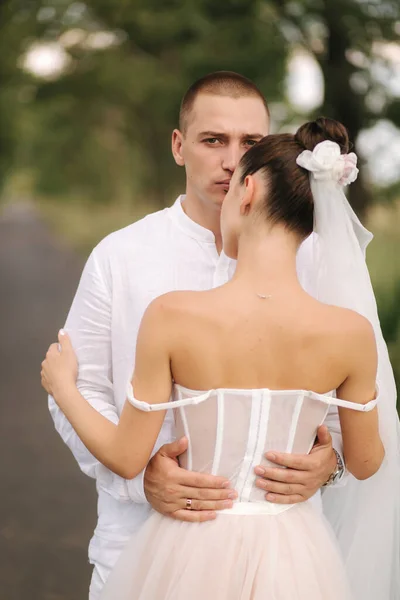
pixel 186 224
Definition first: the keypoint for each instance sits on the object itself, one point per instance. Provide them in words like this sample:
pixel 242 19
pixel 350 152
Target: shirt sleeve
pixel 89 326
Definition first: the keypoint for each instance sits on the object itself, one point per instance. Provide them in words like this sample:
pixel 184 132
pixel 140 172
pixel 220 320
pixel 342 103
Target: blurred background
pixel 89 95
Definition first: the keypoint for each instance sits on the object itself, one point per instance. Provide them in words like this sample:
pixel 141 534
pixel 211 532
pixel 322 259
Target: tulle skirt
pixel 289 556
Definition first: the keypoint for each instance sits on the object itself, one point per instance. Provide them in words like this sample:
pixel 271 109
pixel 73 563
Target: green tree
pixel 345 37
pixel 124 98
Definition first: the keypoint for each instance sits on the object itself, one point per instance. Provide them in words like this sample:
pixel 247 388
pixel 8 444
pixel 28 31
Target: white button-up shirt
pixel 165 251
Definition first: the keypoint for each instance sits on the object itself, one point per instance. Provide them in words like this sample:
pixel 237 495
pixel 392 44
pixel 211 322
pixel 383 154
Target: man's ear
pixel 177 146
pixel 248 196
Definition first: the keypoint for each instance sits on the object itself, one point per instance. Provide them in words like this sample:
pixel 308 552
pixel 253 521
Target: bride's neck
pixel 267 260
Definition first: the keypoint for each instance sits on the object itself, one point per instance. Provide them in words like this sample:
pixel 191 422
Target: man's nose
pixel 231 157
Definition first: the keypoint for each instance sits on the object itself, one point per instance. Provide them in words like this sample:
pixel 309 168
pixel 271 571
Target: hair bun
pixel 312 133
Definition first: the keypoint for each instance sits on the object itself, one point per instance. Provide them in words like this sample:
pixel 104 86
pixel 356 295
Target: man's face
pixel 220 130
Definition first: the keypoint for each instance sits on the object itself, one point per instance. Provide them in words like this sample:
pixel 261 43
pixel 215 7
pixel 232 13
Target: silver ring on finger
pixel 188 504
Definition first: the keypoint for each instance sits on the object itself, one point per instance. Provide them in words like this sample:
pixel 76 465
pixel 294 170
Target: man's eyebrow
pixel 252 136
pixel 225 135
pixel 212 134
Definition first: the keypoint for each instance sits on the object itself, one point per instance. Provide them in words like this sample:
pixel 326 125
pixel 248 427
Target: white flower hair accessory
pixel 326 163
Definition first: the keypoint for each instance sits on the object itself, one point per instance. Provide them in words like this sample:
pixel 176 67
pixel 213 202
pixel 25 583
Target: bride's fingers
pixel 45 385
pixel 194 516
pixel 53 349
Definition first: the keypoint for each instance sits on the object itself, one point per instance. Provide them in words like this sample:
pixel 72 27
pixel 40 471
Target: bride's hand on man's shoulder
pixel 60 367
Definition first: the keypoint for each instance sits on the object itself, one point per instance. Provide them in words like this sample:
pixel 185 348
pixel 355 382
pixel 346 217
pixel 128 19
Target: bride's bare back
pixel 229 337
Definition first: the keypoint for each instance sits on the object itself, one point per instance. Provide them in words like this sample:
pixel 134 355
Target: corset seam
pixel 219 433
pixel 187 433
pixel 251 445
pixel 264 412
pixel 294 423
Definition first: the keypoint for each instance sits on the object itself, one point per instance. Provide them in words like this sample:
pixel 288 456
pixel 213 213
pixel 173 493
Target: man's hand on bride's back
pixel 181 494
pixel 303 475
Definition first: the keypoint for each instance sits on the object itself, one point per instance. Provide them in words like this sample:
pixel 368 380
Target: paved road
pixel 47 507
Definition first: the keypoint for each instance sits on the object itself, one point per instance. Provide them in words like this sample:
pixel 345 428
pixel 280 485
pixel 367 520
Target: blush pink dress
pixel 256 550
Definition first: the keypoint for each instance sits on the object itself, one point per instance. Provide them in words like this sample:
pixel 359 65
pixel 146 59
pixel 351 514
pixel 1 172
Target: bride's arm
pixel 124 448
pixel 362 444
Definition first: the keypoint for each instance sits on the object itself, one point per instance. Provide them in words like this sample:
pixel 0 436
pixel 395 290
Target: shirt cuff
pixel 124 490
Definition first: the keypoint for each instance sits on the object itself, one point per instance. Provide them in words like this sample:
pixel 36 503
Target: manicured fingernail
pixel 232 495
pixel 271 456
pixel 61 332
pixel 226 484
pixel 260 471
pixel 271 497
pixel 227 503
pixel 211 515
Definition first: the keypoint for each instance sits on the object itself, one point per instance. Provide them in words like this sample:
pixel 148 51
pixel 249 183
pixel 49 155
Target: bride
pixel 249 367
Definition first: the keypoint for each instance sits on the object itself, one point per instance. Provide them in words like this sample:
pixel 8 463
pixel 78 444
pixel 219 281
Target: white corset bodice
pixel 229 431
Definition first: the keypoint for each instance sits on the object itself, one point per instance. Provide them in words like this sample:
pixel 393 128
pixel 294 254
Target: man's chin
pixel 219 197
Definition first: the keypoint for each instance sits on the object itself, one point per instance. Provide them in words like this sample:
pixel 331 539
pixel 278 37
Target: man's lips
pixel 224 183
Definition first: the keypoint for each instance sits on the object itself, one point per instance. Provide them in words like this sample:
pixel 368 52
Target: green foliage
pixel 346 37
pixel 103 127
pixel 100 128
pixel 383 257
pixel 389 314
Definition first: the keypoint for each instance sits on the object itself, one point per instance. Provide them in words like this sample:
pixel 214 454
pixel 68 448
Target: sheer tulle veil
pixel 365 515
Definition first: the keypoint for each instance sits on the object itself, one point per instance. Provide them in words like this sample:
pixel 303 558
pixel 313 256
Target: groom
pixel 222 115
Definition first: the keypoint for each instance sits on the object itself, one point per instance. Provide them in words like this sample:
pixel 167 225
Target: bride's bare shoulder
pixel 171 316
pixel 347 322
pixel 180 303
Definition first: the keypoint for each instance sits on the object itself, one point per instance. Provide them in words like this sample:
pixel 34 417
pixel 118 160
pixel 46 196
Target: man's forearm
pixel 131 490
pixel 117 487
pixel 86 461
pixel 89 326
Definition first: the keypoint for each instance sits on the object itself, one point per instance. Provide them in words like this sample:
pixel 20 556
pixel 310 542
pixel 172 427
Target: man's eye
pixel 251 142
pixel 211 140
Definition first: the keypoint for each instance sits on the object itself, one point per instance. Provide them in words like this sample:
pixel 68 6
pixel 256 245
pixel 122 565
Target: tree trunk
pixel 341 101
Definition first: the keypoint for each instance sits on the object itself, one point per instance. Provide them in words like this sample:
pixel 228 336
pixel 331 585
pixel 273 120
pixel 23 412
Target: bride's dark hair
pixel 288 199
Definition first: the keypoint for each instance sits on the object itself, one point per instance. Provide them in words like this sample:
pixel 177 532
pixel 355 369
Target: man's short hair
pixel 220 83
